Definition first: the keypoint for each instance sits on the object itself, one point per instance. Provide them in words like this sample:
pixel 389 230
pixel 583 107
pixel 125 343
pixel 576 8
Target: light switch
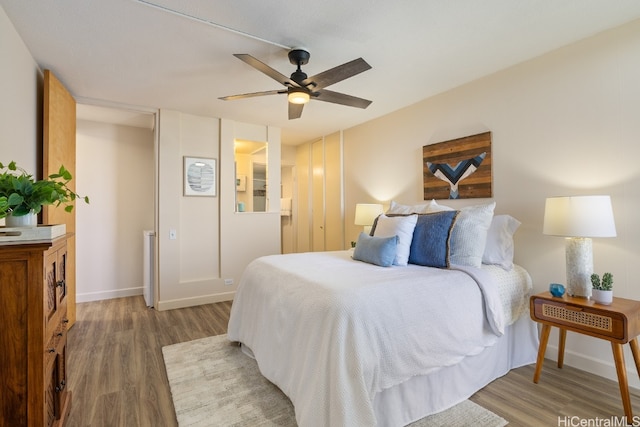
pixel 173 234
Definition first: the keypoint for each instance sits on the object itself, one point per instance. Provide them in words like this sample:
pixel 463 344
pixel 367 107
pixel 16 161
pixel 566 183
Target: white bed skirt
pixel 428 394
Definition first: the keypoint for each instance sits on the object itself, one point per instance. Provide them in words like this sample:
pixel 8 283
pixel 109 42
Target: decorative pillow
pixel 435 207
pixel 376 250
pixel 499 248
pixel 401 226
pixel 397 208
pixel 430 244
pixel 469 235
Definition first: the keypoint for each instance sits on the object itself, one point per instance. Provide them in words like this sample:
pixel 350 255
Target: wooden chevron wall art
pixel 458 169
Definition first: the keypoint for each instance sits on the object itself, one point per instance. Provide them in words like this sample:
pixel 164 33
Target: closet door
pixel 303 218
pixel 333 206
pixel 320 219
pixel 317 196
pixel 59 148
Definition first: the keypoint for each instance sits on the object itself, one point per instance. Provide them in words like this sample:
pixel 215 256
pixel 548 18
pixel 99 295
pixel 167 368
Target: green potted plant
pixel 602 292
pixel 21 195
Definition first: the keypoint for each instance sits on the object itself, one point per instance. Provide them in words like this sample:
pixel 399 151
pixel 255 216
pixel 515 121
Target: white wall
pixel 213 241
pixel 115 167
pixel 245 236
pixel 288 188
pixel 188 268
pixel 563 124
pixel 287 224
pixel 20 102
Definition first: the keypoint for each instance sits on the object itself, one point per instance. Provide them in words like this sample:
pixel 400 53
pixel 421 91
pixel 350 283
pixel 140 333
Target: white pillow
pixel 401 226
pixel 469 235
pixel 499 248
pixel 435 207
pixel 398 209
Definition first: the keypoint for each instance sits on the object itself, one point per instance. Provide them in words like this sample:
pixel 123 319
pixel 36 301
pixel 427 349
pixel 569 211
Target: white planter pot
pixel 29 220
pixel 602 297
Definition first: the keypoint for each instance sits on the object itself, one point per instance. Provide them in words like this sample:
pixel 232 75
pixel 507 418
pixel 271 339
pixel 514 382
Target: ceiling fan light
pixel 298 97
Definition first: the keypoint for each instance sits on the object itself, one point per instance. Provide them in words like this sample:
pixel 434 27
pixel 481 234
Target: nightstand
pixel 618 323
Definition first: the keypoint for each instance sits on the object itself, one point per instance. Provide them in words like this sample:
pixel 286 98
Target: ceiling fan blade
pixel 337 74
pixel 341 98
pixel 295 110
pixel 264 68
pixel 251 95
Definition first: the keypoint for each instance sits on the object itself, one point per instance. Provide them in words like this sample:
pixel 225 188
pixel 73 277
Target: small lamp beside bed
pixel 366 214
pixel 579 218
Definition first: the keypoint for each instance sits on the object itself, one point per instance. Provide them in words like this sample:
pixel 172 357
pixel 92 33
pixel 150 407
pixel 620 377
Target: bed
pixel 354 343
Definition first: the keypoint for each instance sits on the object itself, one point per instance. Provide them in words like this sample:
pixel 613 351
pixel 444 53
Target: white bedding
pixel 332 332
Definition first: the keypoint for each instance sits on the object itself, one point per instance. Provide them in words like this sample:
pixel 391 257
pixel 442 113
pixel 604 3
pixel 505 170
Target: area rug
pixel 214 384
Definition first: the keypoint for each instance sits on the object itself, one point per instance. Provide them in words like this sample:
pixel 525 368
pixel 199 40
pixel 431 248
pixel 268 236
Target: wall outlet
pixel 173 234
pixel 228 282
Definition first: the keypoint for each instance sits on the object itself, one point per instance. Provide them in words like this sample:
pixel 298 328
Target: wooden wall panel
pixel 445 163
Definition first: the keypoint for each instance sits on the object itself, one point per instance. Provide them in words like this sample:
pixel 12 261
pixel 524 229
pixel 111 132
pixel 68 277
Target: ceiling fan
pixel 300 88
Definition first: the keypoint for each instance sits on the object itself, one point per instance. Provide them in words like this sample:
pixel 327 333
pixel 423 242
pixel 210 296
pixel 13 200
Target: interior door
pixel 303 201
pixel 59 148
pixel 317 189
pixel 334 223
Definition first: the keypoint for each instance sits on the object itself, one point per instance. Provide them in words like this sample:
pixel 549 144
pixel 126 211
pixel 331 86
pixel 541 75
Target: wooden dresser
pixel 33 333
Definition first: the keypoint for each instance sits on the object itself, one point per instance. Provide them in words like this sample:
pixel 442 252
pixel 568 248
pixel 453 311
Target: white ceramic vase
pixel 29 220
pixel 602 297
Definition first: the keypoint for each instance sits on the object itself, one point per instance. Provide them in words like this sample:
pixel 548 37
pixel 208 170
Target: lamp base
pixel 579 257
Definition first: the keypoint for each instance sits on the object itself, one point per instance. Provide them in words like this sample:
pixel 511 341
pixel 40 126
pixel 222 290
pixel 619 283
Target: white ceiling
pixel 121 116
pixel 126 52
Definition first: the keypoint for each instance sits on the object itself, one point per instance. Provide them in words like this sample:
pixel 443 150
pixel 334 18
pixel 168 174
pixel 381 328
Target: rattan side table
pixel 618 323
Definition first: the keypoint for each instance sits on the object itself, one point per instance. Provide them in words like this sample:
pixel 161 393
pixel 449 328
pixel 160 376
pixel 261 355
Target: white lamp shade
pixel 366 213
pixel 579 216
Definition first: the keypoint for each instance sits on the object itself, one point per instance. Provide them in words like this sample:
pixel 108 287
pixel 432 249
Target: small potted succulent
pixel 602 291
pixel 22 196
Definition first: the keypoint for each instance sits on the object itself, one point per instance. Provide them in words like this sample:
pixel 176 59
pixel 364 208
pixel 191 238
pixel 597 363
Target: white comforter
pixel 332 332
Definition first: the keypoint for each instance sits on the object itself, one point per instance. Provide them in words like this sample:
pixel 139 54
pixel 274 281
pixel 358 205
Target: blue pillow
pixel 430 244
pixel 376 250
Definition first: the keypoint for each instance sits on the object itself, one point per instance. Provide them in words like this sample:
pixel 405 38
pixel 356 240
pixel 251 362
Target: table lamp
pixel 579 218
pixel 366 214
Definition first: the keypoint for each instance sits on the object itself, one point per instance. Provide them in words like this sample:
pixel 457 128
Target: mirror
pixel 251 176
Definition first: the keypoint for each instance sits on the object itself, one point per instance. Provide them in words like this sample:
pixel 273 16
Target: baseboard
pixel 102 295
pixel 162 305
pixel 193 301
pixel 603 368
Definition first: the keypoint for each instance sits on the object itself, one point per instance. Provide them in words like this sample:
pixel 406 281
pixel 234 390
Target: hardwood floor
pixel 116 371
pixel 117 375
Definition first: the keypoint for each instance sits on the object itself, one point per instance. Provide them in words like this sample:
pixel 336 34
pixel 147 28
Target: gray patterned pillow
pixel 469 235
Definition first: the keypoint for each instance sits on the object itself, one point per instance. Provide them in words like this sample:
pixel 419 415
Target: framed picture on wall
pixel 458 169
pixel 199 176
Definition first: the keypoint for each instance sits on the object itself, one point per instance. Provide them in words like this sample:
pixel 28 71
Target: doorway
pixel 116 168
